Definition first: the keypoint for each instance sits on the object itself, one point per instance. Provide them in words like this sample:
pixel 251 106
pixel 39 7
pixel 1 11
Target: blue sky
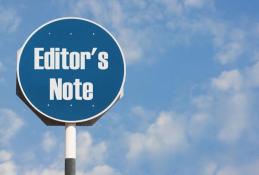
pixel 191 94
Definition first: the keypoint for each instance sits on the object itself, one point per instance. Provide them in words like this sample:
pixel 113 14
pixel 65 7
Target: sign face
pixel 71 70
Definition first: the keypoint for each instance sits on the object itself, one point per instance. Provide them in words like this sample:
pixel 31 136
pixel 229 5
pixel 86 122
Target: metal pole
pixel 70 149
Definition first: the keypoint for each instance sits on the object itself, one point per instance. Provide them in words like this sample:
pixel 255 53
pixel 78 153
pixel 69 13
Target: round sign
pixel 71 70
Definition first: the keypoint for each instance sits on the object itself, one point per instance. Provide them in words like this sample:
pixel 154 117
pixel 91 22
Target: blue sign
pixel 71 70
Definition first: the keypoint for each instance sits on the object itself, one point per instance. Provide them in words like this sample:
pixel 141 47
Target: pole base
pixel 70 166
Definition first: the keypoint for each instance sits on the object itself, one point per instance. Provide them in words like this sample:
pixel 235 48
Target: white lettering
pixel 49 61
pixel 37 58
pixel 74 60
pixel 55 89
pixel 103 61
pixel 88 91
pixel 60 58
pixel 69 91
pixel 77 85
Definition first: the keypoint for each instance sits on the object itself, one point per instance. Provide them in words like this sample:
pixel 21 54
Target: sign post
pixel 70 149
pixel 70 72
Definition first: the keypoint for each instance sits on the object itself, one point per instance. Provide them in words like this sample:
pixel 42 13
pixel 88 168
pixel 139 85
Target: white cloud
pixel 230 42
pixel 2 69
pixel 5 155
pixel 47 171
pixel 172 6
pixel 257 30
pixel 90 153
pixel 195 3
pixel 180 7
pixel 232 49
pixel 235 114
pixel 139 111
pixel 142 114
pixel 10 123
pixel 9 20
pixel 226 105
pixel 96 170
pixel 251 169
pixel 130 21
pixel 224 110
pixel 202 102
pixel 111 13
pixel 48 142
pixel 8 168
pixel 90 158
pixel 131 44
pixel 167 134
pixel 251 74
pixel 233 109
pixel 228 171
pixel 228 80
pixel 210 169
pixel 103 170
pixel 197 124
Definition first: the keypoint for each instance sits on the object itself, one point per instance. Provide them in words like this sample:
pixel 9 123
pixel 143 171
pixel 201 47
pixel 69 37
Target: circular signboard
pixel 71 70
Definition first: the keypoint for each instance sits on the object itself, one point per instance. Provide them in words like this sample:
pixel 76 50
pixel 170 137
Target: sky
pixel 190 103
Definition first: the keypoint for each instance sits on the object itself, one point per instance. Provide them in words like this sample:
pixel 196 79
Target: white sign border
pixel 120 92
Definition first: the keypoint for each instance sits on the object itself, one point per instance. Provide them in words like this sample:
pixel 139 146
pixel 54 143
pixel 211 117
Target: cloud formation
pixel 7 166
pixel 132 22
pixel 49 142
pixel 166 135
pixel 9 20
pixel 228 80
pixel 10 124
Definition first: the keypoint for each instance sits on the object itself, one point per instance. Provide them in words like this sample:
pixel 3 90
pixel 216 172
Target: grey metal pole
pixel 70 149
